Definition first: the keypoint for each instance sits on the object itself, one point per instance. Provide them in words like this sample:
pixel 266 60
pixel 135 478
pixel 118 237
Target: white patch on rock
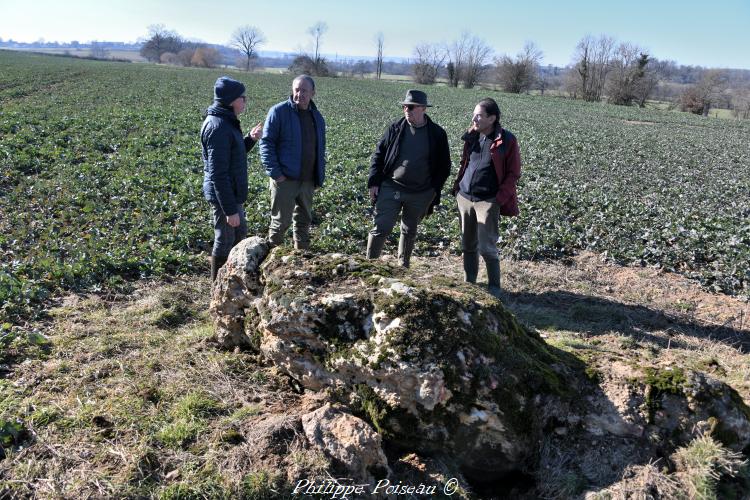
pixel 383 325
pixel 465 317
pixel 337 299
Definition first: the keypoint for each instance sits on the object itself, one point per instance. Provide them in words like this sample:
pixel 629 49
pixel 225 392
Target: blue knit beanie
pixel 226 90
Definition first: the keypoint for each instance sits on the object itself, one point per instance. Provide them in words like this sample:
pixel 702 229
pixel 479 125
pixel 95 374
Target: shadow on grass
pixel 563 310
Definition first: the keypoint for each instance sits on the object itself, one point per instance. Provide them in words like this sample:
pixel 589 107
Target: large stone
pixel 350 441
pixel 442 368
pixel 237 285
pixel 435 369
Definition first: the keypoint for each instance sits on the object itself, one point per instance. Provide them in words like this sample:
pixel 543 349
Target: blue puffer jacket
pixel 281 144
pixel 224 153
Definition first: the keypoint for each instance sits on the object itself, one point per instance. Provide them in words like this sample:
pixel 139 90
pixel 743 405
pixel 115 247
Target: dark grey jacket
pixel 224 153
pixel 383 159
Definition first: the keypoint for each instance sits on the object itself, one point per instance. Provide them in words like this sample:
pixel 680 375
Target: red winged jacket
pixel 506 158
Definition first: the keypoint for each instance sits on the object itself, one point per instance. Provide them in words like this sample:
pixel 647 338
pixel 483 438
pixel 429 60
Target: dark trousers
pixel 226 236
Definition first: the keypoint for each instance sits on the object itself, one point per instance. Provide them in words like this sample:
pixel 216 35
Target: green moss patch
pixel 659 382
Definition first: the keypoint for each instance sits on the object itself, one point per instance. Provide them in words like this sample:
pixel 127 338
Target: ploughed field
pixel 100 177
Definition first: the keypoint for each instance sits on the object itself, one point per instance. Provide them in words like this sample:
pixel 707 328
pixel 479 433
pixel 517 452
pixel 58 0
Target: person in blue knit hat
pixel 224 152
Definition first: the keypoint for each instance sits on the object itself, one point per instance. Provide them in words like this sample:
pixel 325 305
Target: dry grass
pixel 699 468
pixel 133 400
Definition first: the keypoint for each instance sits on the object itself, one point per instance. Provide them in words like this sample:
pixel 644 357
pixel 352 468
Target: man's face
pixel 481 121
pixel 238 105
pixel 302 93
pixel 414 113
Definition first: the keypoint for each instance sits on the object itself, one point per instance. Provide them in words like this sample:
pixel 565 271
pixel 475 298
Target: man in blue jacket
pixel 292 150
pixel 224 153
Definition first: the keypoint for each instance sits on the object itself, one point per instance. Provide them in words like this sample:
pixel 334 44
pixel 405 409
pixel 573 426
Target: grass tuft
pixel 703 463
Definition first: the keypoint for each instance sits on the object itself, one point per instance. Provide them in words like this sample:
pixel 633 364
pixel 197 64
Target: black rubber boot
pixel 405 247
pixel 493 277
pixel 375 246
pixel 471 267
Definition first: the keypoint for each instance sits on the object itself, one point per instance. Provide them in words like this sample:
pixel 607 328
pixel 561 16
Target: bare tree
pixel 450 68
pixel 379 39
pixel 358 68
pixel 185 56
pixel 455 54
pixel 169 58
pixel 519 74
pixel 700 97
pixel 246 39
pixel 161 40
pixel 303 64
pixel 571 83
pixel 467 58
pixel 646 86
pixel 628 68
pixel 205 57
pixel 317 31
pixel 428 59
pixel 592 64
pixel 477 55
pixel 98 50
pixel 741 103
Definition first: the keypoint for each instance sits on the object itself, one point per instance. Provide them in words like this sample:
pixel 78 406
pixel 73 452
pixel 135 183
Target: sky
pixel 709 34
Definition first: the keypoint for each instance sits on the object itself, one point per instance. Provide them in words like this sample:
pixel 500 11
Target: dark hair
pixel 490 107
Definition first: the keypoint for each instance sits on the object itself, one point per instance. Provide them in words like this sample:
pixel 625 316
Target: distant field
pixel 101 176
pixel 130 55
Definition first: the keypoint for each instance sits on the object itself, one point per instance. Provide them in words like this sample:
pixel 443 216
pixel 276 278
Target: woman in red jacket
pixel 485 189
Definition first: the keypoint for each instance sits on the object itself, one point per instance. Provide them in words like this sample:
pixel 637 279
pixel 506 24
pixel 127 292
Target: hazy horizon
pixel 666 30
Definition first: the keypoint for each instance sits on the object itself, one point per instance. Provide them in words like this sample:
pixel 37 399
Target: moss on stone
pixel 392 423
pixel 670 380
pixel 330 327
pixel 659 382
pixel 254 335
pixel 592 373
pixel 432 325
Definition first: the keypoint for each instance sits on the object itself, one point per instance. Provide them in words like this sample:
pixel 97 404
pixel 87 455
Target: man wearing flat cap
pixel 408 169
pixel 224 152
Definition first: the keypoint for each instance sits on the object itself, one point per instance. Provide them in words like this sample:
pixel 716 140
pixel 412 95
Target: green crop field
pixel 100 177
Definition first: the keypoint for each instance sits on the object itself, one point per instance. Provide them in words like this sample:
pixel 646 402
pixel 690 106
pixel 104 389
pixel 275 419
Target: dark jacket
pixel 506 158
pixel 384 158
pixel 281 144
pixel 224 153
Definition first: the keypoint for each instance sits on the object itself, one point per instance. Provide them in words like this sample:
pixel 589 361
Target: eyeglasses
pixel 411 107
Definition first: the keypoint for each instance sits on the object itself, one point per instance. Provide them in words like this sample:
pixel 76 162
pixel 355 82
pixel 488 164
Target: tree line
pixel 602 68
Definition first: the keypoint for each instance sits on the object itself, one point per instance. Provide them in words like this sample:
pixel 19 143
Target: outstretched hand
pixel 256 132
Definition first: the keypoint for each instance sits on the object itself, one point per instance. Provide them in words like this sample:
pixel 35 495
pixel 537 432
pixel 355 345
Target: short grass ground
pixel 128 396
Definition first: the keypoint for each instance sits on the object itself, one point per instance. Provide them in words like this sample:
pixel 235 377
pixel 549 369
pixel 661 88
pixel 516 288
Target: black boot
pixel 405 248
pixel 375 246
pixel 493 277
pixel 471 267
pixel 216 263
